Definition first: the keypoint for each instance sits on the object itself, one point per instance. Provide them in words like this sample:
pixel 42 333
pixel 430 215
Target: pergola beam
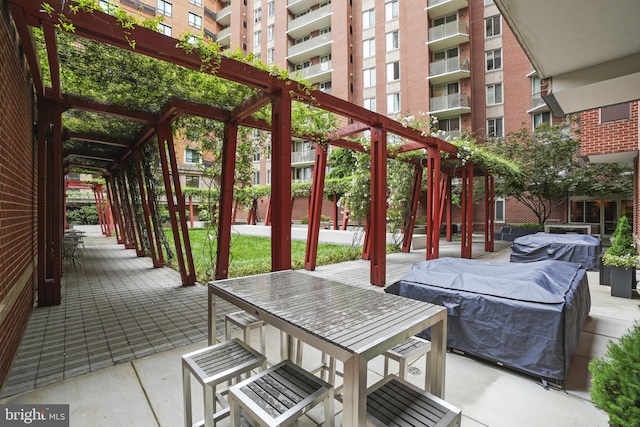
pixel 78 103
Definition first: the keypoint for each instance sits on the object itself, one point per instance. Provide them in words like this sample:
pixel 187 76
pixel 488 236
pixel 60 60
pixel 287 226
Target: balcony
pixel 140 6
pixel 303 157
pixel 448 70
pixel 437 8
pixel 224 37
pixel 299 6
pixel 315 46
pixel 319 18
pixel 538 104
pixel 448 135
pixel 450 105
pixel 224 16
pixel 316 73
pixel 447 35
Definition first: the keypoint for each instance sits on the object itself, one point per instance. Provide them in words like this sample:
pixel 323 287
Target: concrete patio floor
pixel 112 350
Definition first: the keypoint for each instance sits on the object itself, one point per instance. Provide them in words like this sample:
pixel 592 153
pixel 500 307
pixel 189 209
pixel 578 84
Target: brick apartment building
pixel 455 59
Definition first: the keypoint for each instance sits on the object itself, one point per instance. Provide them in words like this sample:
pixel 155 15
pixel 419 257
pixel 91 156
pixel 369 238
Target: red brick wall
pixel 18 201
pixel 614 137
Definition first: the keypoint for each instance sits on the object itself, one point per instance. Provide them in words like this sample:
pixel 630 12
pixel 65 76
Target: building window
pixel 303 65
pixel 195 20
pixel 196 2
pixel 445 19
pixel 494 94
pixel 270 56
pixel 495 127
pixel 446 89
pixel 492 26
pixel 368 19
pixel 494 59
pixel 499 210
pixel 445 54
pixel 393 103
pixel 369 77
pixel 108 7
pixel 271 32
pixel 393 41
pixel 302 174
pixel 256 154
pixel 257 15
pixel 370 104
pixel 164 8
pixel 164 29
pixel 535 86
pixel 368 48
pixel 613 113
pixel 268 176
pixel 191 155
pixel 192 181
pixel 539 118
pixel 448 125
pixel 393 71
pixel 271 8
pixel 257 38
pixel 391 10
pixel 256 177
pixel 325 62
pixel 325 86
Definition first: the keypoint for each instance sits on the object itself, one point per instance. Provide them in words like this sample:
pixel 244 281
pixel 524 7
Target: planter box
pixel 622 280
pixel 604 271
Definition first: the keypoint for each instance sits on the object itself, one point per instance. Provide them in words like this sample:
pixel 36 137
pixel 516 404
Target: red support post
pixel 53 293
pixel 117 211
pixel 415 198
pixel 335 210
pixel 126 221
pixel 191 211
pixel 44 206
pixel 133 221
pixel 378 212
pixel 281 181
pixel 489 223
pixel 315 207
pixel 447 213
pixel 345 220
pixel 153 212
pixel 433 203
pixel 366 241
pixel 267 217
pixel 225 217
pixel 189 277
pixel 467 211
pixel 147 211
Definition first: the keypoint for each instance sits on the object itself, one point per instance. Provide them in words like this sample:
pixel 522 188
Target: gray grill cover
pixel 580 248
pixel 525 316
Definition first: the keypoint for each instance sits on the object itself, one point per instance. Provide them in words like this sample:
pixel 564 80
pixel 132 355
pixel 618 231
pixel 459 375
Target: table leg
pixel 354 412
pixel 437 357
pixel 211 318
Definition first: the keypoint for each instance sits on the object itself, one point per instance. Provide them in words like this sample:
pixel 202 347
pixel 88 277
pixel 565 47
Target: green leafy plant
pixel 622 252
pixel 616 380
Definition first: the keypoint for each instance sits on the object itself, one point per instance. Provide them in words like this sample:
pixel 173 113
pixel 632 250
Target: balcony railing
pixel 224 16
pixel 311 46
pixel 315 71
pixel 448 35
pixel 454 104
pixel 448 70
pixel 320 17
pixel 140 6
pixel 303 156
pixel 445 7
pixel 224 36
pixel 297 6
pixel 210 13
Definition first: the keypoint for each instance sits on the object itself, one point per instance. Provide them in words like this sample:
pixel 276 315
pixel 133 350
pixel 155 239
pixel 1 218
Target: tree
pixel 549 159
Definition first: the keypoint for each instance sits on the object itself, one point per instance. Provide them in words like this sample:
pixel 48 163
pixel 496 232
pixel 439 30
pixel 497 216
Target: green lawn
pixel 252 255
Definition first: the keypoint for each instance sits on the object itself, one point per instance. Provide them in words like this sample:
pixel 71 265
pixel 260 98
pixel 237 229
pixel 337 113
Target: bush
pixel 305 219
pixel 622 252
pixel 616 380
pixel 204 215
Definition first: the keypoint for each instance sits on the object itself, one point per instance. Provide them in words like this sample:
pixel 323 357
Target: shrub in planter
pixel 622 258
pixel 615 385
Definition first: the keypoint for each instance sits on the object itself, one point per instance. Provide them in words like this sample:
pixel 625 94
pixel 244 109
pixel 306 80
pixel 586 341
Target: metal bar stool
pixel 247 322
pixel 407 352
pixel 214 365
pixel 279 395
pixel 397 402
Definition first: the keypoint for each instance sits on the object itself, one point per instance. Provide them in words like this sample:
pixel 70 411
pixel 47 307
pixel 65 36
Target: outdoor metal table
pixel 350 323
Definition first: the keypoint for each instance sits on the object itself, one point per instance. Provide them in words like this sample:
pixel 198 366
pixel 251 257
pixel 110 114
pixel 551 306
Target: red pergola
pixel 123 188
